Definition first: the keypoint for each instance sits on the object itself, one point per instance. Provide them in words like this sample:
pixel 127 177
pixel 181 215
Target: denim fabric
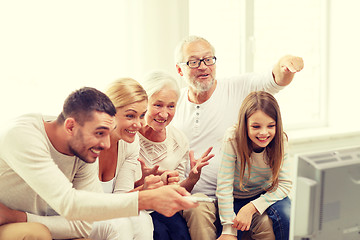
pixel 279 213
pixel 170 228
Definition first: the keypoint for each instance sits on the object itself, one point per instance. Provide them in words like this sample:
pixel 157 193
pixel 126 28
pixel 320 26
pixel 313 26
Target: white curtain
pixel 50 48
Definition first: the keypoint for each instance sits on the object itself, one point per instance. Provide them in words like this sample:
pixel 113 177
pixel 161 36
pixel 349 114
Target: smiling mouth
pixel 262 139
pixel 159 121
pixel 131 132
pixel 96 151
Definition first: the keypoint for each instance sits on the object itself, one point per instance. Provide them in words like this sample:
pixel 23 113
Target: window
pixel 45 56
pixel 295 27
pixel 251 35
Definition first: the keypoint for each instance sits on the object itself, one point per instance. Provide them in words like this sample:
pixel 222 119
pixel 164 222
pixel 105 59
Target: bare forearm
pixel 145 200
pixel 282 78
pixel 139 183
pixel 20 216
pixel 8 215
pixel 188 184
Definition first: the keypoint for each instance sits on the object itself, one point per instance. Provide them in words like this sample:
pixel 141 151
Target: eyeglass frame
pixel 200 60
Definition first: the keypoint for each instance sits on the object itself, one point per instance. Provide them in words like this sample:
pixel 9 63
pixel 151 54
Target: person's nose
pixel 202 65
pixel 138 123
pixel 105 144
pixel 163 114
pixel 263 131
pixel 142 122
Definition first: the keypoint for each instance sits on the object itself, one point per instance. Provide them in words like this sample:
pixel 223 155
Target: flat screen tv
pixel 326 200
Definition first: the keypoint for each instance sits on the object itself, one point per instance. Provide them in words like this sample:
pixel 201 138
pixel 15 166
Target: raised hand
pixel 292 64
pixel 146 171
pixel 197 164
pixel 286 68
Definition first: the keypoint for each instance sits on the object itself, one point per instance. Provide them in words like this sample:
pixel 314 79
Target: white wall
pixel 50 48
pixel 344 84
pixel 156 27
pixel 344 64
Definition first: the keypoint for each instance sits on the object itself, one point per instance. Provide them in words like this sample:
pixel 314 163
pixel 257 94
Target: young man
pixel 206 108
pixel 46 175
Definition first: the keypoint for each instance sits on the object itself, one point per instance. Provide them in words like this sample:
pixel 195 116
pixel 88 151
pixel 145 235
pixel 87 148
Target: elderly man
pixel 206 108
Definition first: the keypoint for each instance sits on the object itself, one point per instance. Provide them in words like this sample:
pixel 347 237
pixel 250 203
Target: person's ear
pixel 179 70
pixel 69 125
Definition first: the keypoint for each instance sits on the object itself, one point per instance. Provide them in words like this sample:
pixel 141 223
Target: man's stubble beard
pixel 200 86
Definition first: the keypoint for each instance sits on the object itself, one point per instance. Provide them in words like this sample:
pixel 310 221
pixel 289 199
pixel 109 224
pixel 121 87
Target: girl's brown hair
pixel 266 103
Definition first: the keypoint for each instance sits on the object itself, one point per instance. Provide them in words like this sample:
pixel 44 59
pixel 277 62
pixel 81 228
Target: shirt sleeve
pixel 249 82
pixel 283 189
pixel 182 166
pixel 263 82
pixel 61 228
pixel 28 155
pixel 183 144
pixel 126 168
pixel 224 191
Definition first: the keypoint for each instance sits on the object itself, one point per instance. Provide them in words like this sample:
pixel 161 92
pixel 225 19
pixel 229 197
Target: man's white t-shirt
pixel 205 124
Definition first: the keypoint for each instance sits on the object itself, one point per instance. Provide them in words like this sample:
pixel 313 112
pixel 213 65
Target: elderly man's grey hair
pixel 179 56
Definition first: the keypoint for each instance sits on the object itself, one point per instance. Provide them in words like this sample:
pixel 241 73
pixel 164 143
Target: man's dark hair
pixel 81 104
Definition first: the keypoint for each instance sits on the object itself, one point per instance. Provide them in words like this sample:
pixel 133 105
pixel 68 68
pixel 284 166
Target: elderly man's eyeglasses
pixel 196 63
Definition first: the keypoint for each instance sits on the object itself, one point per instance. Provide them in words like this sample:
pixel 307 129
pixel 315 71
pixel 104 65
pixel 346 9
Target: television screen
pixel 326 201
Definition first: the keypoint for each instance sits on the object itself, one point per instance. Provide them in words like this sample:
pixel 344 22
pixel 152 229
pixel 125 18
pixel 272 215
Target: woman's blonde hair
pixel 125 91
pixel 266 103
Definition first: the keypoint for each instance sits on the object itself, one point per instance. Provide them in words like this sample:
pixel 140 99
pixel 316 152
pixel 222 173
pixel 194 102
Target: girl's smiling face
pixel 130 119
pixel 261 129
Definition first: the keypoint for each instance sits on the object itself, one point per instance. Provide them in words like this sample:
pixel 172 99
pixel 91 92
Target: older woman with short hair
pixel 167 148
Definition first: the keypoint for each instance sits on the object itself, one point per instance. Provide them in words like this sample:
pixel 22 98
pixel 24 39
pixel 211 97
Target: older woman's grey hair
pixel 155 81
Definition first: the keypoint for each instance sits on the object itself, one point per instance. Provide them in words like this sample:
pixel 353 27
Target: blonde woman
pixel 118 164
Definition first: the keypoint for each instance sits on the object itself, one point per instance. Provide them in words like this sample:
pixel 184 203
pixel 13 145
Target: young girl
pixel 254 175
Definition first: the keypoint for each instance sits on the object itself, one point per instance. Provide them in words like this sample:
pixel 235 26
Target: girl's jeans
pixel 279 213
